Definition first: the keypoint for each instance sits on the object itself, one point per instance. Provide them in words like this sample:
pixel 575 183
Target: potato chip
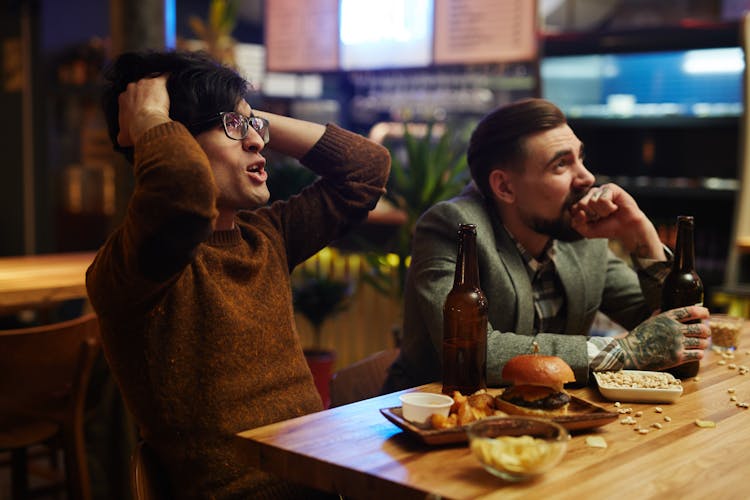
pixel 514 453
pixel 705 424
pixel 596 442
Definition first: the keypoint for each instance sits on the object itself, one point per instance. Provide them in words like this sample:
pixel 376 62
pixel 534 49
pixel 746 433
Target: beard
pixel 560 228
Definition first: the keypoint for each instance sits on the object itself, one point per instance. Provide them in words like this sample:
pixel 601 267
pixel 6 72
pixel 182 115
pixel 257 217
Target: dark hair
pixel 199 87
pixel 498 139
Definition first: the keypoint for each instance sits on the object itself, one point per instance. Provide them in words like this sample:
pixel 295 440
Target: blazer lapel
pixel 518 275
pixel 571 275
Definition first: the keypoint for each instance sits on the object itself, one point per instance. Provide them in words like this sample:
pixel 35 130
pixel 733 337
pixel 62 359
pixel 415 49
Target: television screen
pixel 385 34
pixel 686 83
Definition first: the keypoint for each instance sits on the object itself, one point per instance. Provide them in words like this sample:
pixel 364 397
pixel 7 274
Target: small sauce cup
pixel 417 407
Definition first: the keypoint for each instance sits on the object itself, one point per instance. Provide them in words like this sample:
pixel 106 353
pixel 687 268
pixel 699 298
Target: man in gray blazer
pixel 544 260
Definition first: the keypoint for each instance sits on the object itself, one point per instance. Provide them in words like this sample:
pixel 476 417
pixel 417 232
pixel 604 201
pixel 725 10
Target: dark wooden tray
pixel 581 415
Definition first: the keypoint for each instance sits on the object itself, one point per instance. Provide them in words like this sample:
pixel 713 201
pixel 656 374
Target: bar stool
pixel 44 376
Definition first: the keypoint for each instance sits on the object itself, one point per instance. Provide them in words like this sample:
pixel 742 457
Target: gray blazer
pixel 594 280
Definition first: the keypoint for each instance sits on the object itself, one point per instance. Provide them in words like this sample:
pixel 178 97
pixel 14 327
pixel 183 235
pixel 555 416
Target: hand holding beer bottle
pixel 674 339
pixel 683 286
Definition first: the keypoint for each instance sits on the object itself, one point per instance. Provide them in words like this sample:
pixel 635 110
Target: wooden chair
pixel 148 480
pixel 44 376
pixel 361 380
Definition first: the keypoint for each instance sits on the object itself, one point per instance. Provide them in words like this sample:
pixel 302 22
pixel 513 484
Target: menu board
pixel 484 31
pixel 312 36
pixel 302 36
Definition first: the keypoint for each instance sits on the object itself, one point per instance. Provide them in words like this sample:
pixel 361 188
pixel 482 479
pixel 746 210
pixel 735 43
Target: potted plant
pixel 425 168
pixel 318 298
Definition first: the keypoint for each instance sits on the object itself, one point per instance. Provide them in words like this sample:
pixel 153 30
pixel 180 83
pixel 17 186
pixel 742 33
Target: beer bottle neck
pixel 684 258
pixel 467 268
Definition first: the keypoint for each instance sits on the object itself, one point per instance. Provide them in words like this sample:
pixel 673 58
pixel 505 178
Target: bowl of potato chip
pixel 517 448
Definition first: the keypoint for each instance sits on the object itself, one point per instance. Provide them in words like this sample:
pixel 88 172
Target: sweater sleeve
pixel 169 214
pixel 353 172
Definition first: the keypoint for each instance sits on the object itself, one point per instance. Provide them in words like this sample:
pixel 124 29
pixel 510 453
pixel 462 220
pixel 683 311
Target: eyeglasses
pixel 237 125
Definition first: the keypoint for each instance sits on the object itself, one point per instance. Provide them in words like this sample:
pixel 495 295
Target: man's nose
pixel 253 142
pixel 584 177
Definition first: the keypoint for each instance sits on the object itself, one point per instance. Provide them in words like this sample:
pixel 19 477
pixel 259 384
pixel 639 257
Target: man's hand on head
pixel 144 104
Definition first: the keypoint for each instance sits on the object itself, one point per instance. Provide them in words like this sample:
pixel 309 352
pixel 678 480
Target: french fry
pixel 466 410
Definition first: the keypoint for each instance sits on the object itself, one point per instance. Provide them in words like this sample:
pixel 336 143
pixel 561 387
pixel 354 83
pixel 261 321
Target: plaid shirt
pixel 550 309
pixel 549 299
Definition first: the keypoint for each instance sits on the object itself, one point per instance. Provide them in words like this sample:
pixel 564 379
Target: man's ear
pixel 501 186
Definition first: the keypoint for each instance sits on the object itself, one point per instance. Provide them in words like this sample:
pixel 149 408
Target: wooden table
pixel 353 450
pixel 39 281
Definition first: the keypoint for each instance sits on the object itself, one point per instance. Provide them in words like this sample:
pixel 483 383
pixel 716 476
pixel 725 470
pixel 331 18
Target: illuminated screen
pixel 699 83
pixel 385 34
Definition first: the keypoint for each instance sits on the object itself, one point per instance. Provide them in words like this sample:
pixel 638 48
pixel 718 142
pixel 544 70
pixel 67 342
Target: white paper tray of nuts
pixel 636 386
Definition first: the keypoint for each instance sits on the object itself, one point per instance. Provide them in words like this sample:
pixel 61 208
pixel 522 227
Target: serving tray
pixel 581 415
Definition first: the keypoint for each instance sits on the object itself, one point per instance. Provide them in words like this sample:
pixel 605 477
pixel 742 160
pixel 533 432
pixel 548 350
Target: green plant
pixel 319 298
pixel 216 31
pixel 425 169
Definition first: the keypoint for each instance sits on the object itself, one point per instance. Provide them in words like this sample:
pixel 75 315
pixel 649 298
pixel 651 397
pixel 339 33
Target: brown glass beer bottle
pixel 683 286
pixel 465 321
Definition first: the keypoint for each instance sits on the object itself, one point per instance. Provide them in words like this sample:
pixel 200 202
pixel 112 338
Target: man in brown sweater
pixel 193 289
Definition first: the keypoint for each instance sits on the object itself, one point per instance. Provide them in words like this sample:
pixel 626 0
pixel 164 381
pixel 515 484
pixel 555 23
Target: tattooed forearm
pixel 654 344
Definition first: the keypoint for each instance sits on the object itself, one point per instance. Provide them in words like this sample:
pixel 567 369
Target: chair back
pixel 363 379
pixel 148 480
pixel 47 367
pixel 44 376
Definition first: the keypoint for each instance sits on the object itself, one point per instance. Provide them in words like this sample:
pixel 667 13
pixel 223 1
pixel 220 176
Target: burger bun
pixel 538 369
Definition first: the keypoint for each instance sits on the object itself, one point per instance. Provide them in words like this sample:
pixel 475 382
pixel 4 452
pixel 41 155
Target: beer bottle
pixel 465 321
pixel 682 286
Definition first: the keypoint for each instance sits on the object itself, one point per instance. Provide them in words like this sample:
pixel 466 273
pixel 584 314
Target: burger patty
pixel 551 400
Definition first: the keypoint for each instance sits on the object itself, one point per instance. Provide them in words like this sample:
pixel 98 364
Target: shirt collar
pixel 548 253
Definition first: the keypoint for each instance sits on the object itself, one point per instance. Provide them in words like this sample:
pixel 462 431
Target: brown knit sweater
pixel 198 326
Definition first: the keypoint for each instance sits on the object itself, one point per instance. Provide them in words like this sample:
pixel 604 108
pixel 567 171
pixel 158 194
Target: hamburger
pixel 537 386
